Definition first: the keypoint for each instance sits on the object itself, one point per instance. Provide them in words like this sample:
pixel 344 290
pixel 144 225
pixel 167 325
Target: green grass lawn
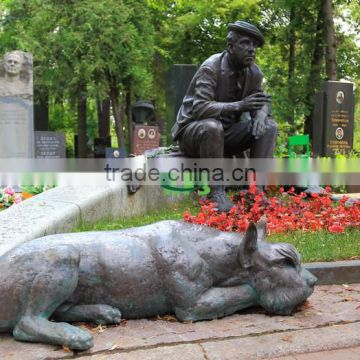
pixel 322 245
pixel 170 212
pixel 313 246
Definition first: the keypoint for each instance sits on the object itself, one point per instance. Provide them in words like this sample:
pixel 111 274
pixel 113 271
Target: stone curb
pixel 336 272
pixel 61 209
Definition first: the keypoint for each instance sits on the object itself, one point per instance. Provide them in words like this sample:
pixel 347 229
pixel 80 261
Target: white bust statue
pixel 16 75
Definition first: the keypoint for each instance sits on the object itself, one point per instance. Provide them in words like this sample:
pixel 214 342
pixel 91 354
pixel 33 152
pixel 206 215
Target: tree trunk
pixel 81 107
pixel 330 40
pixel 41 109
pixel 115 103
pixel 292 43
pixel 315 72
pixel 129 115
pixel 103 111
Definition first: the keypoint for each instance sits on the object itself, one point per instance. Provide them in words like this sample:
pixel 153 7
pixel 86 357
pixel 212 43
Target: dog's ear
pixel 261 228
pixel 247 246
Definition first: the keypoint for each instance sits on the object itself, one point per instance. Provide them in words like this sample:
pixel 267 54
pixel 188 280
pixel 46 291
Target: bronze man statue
pixel 225 110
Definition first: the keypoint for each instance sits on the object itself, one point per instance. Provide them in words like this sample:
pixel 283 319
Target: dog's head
pixel 275 272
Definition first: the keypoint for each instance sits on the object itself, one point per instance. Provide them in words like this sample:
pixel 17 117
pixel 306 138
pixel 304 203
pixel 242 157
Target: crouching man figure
pixel 225 110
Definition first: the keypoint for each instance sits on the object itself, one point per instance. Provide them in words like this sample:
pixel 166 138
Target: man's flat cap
pixel 249 29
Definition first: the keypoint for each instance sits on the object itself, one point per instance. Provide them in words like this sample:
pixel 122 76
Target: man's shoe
pixel 218 197
pixel 314 189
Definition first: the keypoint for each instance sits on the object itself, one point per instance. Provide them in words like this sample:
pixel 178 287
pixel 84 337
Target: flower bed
pixel 8 197
pixel 285 212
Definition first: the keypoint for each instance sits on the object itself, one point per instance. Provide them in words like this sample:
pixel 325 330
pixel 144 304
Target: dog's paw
pixel 79 340
pixel 108 315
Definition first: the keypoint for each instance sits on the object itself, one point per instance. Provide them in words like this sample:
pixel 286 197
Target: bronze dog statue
pixel 190 270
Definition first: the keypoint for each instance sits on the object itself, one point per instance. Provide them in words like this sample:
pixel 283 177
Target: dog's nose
pixel 311 279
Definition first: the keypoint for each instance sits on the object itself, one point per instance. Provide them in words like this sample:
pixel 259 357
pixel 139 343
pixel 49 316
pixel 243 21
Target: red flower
pixel 284 213
pixel 336 229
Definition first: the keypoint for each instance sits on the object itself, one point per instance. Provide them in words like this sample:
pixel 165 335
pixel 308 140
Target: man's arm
pixel 258 125
pixel 205 105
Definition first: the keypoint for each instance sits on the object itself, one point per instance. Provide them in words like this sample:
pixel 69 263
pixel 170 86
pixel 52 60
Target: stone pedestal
pixel 16 128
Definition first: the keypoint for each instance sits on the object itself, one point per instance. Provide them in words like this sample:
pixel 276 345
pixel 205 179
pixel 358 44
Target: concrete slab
pixel 292 342
pixel 188 352
pixel 90 201
pixel 62 208
pixel 33 218
pixel 329 320
pixel 345 354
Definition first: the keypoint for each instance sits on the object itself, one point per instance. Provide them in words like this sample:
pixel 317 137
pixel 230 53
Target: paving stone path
pixel 329 321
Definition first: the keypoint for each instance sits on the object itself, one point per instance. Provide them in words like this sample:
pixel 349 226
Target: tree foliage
pixel 91 51
pixel 84 45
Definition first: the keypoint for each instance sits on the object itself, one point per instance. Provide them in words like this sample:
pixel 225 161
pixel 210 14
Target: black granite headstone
pixel 76 152
pixel 177 82
pixel 99 146
pixel 333 122
pixel 50 145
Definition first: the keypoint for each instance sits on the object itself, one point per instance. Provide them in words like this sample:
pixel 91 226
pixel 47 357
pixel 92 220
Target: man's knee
pixel 204 138
pixel 272 127
pixel 212 127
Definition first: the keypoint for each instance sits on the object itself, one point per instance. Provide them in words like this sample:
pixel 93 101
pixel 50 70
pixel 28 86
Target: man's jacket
pixel 210 88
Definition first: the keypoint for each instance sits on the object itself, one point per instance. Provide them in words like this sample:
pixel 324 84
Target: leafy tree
pixel 85 49
pixel 89 54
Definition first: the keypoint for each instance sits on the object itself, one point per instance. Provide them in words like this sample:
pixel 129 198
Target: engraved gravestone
pixel 50 145
pixel 16 106
pixel 145 137
pixel 333 122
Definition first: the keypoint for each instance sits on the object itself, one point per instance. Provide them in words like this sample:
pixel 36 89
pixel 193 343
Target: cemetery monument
pixel 16 106
pixel 50 145
pixel 193 271
pixel 333 121
pixel 225 110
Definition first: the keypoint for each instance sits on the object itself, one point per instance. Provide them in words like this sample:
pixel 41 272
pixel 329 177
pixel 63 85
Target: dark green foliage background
pixel 137 40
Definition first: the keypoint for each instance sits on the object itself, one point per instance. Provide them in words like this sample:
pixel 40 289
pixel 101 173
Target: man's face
pixel 243 51
pixel 13 64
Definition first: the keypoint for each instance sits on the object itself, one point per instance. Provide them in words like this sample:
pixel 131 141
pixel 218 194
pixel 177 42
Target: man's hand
pixel 253 102
pixel 258 125
pixel 250 103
